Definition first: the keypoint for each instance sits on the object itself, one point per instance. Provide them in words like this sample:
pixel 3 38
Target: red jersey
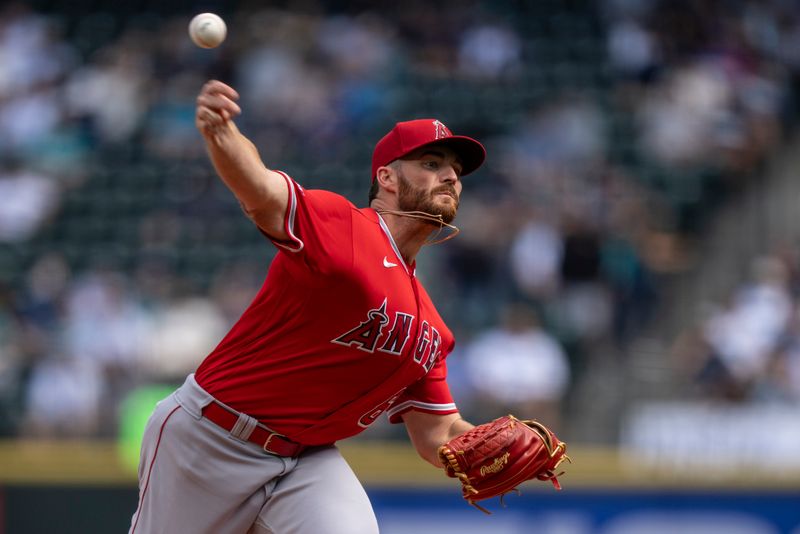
pixel 341 331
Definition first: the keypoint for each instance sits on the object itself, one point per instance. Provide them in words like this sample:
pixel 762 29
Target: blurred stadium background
pixel 628 269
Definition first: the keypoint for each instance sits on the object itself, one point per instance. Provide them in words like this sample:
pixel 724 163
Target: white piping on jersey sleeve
pixel 297 243
pixel 424 406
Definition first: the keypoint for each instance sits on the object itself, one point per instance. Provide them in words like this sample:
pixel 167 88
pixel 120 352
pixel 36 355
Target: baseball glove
pixel 494 458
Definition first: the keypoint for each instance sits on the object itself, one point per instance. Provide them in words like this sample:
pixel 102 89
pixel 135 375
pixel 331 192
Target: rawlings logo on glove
pixel 496 466
pixel 494 458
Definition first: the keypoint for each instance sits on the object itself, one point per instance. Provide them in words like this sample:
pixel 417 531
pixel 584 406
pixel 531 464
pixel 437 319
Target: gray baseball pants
pixel 195 477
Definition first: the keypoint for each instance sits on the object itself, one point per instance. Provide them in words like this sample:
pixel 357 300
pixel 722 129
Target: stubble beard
pixel 410 198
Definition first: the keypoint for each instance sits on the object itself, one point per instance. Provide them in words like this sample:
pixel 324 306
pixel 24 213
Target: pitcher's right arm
pixel 263 193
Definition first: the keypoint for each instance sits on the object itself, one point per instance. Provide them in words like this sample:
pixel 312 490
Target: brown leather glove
pixel 494 458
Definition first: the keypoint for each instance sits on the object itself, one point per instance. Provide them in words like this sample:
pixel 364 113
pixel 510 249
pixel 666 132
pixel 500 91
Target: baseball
pixel 207 30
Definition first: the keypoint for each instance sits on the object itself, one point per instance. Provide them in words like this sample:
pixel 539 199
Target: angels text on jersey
pixel 372 334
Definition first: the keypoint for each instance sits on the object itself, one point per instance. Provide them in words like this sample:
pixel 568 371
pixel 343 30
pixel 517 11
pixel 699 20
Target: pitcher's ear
pixel 386 177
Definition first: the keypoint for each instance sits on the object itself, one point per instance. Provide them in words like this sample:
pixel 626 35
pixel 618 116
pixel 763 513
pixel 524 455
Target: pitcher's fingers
pixel 216 86
pixel 218 102
pixel 206 117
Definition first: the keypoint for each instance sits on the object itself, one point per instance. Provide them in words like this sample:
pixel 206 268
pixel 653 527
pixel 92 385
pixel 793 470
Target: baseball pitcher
pixel 341 332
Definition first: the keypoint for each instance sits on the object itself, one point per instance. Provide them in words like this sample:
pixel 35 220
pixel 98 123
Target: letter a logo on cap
pixel 408 136
pixel 441 130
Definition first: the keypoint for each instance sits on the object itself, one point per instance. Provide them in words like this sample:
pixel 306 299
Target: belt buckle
pixel 269 438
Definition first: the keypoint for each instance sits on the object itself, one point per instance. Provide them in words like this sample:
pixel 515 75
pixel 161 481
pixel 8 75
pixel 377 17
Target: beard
pixel 412 198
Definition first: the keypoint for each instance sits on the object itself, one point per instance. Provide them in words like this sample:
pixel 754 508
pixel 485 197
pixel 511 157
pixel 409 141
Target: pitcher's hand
pixel 216 107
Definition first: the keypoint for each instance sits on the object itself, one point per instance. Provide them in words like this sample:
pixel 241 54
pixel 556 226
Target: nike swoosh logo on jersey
pixel 387 263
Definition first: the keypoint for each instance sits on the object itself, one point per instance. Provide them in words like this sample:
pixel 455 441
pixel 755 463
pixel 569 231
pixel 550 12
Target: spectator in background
pixel 110 94
pixel 584 304
pixel 105 330
pixel 489 51
pixel 28 199
pixel 743 335
pixel 363 51
pixel 33 61
pixel 632 49
pixel 680 118
pixel 535 257
pixel 517 367
pixel 64 398
pixel 184 330
pixel 568 132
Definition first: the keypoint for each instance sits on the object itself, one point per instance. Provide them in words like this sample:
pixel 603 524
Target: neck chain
pixel 430 218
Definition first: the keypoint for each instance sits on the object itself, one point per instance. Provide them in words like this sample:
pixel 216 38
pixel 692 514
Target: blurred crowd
pixel 613 129
pixel 746 349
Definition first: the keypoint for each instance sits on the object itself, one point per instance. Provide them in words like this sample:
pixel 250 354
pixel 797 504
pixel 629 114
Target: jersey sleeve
pixel 430 394
pixel 319 226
